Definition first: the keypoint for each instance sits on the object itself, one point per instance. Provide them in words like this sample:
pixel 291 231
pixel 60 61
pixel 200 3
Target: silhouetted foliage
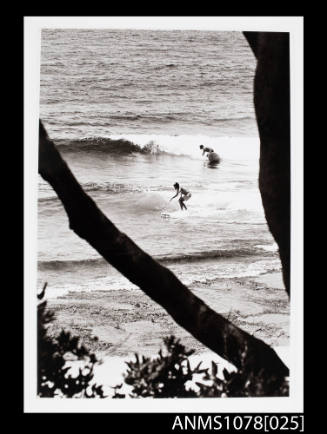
pixel 54 378
pixel 242 384
pixel 166 376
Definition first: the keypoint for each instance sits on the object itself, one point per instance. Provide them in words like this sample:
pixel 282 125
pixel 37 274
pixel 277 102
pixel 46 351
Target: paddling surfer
pixel 185 195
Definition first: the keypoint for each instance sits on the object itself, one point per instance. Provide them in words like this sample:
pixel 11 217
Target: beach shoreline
pixel 115 325
pixel 123 322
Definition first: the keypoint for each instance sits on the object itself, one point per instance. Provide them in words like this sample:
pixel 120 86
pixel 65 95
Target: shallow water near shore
pixel 122 322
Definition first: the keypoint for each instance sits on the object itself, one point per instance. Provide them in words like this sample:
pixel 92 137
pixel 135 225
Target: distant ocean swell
pixel 159 117
pixel 146 120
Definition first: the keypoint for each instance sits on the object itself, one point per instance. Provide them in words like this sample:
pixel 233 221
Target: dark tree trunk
pixel 158 282
pixel 272 106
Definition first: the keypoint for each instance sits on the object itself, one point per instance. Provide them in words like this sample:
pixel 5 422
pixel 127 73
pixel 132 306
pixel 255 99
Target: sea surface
pixel 128 110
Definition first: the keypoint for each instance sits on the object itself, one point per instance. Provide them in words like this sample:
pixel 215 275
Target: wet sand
pixel 117 324
pixel 122 322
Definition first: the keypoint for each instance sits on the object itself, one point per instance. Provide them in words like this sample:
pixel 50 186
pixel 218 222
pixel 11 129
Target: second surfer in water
pixel 206 149
pixel 185 195
pixel 211 154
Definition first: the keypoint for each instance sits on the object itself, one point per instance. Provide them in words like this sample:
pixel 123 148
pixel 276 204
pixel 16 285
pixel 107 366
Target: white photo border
pixel 32 44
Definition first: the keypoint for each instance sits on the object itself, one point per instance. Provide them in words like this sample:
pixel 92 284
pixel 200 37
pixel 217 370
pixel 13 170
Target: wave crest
pixel 164 259
pixel 106 145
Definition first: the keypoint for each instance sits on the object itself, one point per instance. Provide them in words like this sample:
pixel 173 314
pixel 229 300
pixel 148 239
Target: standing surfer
pixel 185 195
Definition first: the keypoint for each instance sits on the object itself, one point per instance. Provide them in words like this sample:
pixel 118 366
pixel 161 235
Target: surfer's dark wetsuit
pixel 185 195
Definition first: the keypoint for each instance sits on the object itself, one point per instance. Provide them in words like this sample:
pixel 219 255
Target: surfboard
pixel 174 214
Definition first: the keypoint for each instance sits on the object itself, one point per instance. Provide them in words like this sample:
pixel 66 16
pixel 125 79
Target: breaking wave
pixel 236 148
pixel 164 259
pixel 105 145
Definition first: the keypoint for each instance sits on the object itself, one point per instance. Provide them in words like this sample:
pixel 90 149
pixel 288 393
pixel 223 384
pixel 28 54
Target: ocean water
pixel 128 110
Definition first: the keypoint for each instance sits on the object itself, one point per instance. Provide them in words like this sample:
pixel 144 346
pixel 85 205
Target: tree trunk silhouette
pixel 272 107
pixel 157 281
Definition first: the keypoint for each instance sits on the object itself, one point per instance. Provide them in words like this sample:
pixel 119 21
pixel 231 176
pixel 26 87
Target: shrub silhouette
pixel 166 376
pixel 54 378
pixel 162 377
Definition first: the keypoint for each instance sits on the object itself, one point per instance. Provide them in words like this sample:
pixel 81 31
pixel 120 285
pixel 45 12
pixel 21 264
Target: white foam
pixel 269 248
pixel 175 214
pixel 234 148
pixel 155 201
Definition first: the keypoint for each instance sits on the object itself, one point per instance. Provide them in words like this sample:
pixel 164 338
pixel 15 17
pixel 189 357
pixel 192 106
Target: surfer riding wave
pixel 185 195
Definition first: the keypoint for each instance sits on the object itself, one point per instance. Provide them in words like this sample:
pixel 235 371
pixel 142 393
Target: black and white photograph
pixel 164 220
